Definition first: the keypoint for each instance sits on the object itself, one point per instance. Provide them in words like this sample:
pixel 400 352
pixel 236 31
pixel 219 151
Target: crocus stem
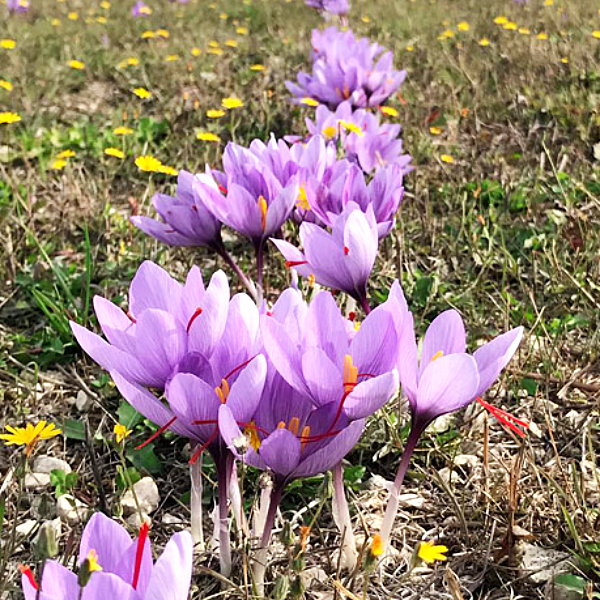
pixel 260 251
pixel 394 499
pixel 341 516
pixel 260 559
pixel 224 466
pixel 236 504
pixel 196 504
pixel 247 283
pixel 365 305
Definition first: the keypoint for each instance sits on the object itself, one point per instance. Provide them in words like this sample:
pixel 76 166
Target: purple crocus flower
pixel 117 567
pixel 247 196
pixel 317 353
pixel 335 7
pixel 17 6
pixel 365 140
pixel 141 9
pixel 166 320
pixel 187 222
pixel 346 68
pixel 342 259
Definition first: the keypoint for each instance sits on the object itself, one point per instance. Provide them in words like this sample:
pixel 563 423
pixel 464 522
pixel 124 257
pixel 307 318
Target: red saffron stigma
pixel 204 446
pixel 139 553
pixel 269 313
pixel 346 250
pixel 294 263
pixel 240 366
pixel 157 433
pixel 351 315
pixel 222 189
pixel 196 314
pixel 131 317
pixel 27 572
pixel 507 420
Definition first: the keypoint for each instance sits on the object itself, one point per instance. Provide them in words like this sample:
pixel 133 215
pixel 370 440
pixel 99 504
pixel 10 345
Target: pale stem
pixel 235 497
pixel 196 504
pixel 246 282
pixel 341 516
pixel 260 255
pixel 224 466
pixel 394 499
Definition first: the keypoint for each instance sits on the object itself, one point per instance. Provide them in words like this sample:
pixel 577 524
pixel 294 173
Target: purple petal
pixel 109 539
pixel 322 377
pixel 172 572
pixel 246 391
pixel 57 582
pixel 370 395
pixel 446 334
pixel 104 585
pixel 281 452
pixel 375 346
pixel 153 287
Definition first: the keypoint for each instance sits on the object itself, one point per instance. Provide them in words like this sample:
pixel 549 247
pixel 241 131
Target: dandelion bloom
pixel 484 42
pixel 6 85
pixel 114 565
pixel 429 552
pixel 122 130
pixel 596 34
pixel 215 113
pixel 257 67
pixel 73 16
pixel 58 165
pixel 207 136
pixel 231 102
pixel 66 154
pixel 76 64
pixel 121 432
pixel 142 93
pixel 8 44
pixel 29 435
pixel 115 152
pixel 9 117
pixel 148 163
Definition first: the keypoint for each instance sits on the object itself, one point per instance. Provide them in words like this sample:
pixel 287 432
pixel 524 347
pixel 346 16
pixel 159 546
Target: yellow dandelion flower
pixel 55 22
pixel 377 546
pixel 215 51
pixel 76 64
pixel 215 113
pixel 242 30
pixel 231 43
pixel 142 93
pixel 148 163
pixel 207 136
pixel 484 42
pixel 105 4
pixel 231 102
pixel 596 33
pixel 172 58
pixel 435 130
pixel 389 111
pixel 8 44
pixel 163 33
pixel 429 553
pixel 447 158
pixel 365 19
pixel 6 85
pixel 121 130
pixel 564 60
pixel 213 44
pixel 501 20
pixel 510 26
pixel 145 10
pixel 114 152
pixel 542 36
pixel 309 102
pixel 66 154
pixel 121 432
pixel 165 169
pixel 58 165
pixel 147 35
pixel 448 33
pixel 73 16
pixel 195 51
pixel 524 30
pixel 410 48
pixel 463 26
pixel 223 16
pixel 29 435
pixel 548 2
pixel 257 67
pixel 102 20
pixel 9 117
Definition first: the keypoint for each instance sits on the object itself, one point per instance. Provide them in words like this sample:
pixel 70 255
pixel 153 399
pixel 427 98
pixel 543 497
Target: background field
pixel 507 231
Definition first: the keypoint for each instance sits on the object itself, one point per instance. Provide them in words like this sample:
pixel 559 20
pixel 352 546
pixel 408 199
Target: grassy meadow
pixel 501 220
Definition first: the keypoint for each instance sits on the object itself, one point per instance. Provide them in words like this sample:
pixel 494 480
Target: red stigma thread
pixel 157 433
pixel 204 446
pixel 222 189
pixel 131 317
pixel 294 263
pixel 139 553
pixel 27 572
pixel 351 316
pixel 196 314
pixel 346 250
pixel 507 420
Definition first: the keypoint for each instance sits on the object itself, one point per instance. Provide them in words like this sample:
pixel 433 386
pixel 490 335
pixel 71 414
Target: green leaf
pixel 123 475
pixel 573 582
pixel 74 430
pixel 145 459
pixel 354 474
pixel 128 416
pixel 530 385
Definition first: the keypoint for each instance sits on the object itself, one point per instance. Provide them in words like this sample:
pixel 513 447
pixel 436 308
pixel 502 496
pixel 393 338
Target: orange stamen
pixel 262 206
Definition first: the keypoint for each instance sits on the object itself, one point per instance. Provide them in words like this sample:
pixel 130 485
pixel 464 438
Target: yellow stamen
pixel 437 355
pixel 377 547
pixel 348 126
pixel 252 436
pixel 302 199
pixel 294 425
pixel 329 131
pixel 311 280
pixel 304 436
pixel 92 559
pixel 350 374
pixel 222 391
pixel 281 425
pixel 262 206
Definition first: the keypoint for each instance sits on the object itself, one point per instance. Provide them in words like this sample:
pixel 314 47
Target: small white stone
pixel 47 464
pixel 168 519
pixel 83 402
pixel 136 522
pixel 466 460
pixel 36 481
pixel 70 510
pixel 26 527
pixel 540 564
pixel 147 496
pixel 449 476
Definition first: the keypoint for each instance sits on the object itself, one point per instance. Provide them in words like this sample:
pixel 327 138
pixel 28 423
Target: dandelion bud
pixel 46 545
pixel 282 587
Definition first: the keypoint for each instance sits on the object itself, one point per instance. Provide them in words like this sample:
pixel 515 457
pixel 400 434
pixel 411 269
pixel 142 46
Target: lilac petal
pixel 293 255
pixel 110 317
pixel 447 384
pixel 246 391
pixel 57 582
pixel 322 377
pixel 280 208
pixel 446 334
pixel 281 452
pixel 192 296
pixel 153 287
pixel 492 357
pixel 408 361
pixel 111 358
pixel 375 346
pixel 163 232
pixel 172 572
pixel 103 585
pixel 148 405
pixel 328 456
pixel 361 241
pixel 230 431
pixel 109 539
pixel 370 395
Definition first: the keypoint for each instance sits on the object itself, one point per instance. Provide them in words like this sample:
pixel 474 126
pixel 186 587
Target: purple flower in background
pixel 335 7
pixel 17 6
pixel 187 222
pixel 365 140
pixel 165 321
pixel 346 68
pixel 342 259
pixel 247 196
pixel 333 365
pixel 112 565
pixel 141 9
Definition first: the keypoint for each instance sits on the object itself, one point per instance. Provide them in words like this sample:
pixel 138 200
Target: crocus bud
pixel 46 545
pixel 282 587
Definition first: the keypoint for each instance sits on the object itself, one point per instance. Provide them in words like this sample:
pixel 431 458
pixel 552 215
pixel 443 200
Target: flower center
pixel 294 427
pixel 92 561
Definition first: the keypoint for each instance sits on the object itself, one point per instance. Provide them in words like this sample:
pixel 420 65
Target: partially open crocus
pixel 17 6
pixel 342 259
pixel 141 9
pixel 334 7
pixel 112 565
pixel 165 320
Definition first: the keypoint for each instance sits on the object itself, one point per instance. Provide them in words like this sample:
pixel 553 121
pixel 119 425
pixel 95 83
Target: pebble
pixel 70 510
pixel 26 527
pixel 147 495
pixel 47 464
pixel 135 521
pixel 36 481
pixel 541 564
pixel 82 402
